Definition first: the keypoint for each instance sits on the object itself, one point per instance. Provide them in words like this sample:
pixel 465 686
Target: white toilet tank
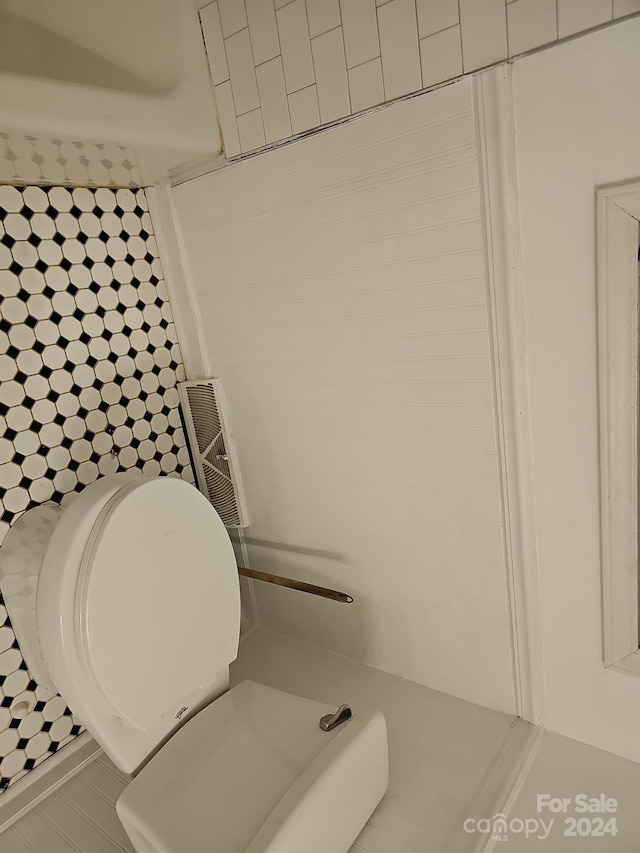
pixel 138 610
pixel 254 773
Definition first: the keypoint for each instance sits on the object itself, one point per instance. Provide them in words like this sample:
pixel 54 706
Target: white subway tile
pixel 273 100
pixel 577 15
pixel 241 72
pixel 531 23
pixel 295 45
pixel 365 85
pixel 263 30
pixel 303 107
pixel 331 75
pixel 360 28
pixel 441 56
pixel 251 130
pixel 323 16
pixel 399 48
pixel 436 15
pixel 232 16
pixel 212 31
pixel 625 7
pixel 280 3
pixel 227 116
pixel 484 32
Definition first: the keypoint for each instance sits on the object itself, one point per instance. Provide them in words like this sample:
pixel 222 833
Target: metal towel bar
pixel 311 588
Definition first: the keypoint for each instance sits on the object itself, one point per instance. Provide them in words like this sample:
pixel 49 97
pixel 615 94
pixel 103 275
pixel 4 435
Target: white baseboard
pixel 495 133
pixel 502 783
pixel 46 778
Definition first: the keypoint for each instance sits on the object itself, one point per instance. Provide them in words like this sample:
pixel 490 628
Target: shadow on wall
pixel 295 549
pixel 329 624
pixel 278 605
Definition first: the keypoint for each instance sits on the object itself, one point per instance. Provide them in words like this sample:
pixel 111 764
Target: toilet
pixel 127 603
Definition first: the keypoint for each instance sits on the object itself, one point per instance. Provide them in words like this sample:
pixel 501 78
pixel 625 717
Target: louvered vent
pixel 213 451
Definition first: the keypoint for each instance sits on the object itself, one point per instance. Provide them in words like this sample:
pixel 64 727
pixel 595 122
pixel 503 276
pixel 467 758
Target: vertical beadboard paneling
pixel 80 817
pixel 341 284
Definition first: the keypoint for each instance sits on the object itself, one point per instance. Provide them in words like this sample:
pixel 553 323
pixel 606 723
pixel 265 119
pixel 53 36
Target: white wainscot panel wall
pixel 342 289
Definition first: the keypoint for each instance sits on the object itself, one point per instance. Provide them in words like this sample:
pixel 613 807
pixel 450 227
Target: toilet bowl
pixel 127 602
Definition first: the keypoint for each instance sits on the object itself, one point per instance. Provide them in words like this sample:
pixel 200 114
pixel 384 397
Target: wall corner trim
pixel 190 330
pixel 617 217
pixel 177 274
pixel 503 781
pixel 495 134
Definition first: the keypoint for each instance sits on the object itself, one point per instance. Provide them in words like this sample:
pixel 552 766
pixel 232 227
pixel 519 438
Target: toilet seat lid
pixel 157 599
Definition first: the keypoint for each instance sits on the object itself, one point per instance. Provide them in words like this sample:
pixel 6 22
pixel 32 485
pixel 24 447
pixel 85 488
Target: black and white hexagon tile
pixel 89 362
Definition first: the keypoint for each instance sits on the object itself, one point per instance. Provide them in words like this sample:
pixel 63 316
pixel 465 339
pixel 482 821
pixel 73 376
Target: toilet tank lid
pixel 254 771
pixel 158 599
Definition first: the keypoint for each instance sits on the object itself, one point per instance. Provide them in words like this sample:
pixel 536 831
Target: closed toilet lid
pixel 157 599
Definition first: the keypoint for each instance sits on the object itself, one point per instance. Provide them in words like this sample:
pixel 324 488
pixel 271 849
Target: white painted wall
pixel 577 126
pixel 342 291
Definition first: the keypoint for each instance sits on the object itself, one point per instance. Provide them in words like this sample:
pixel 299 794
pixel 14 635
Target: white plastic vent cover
pixel 213 450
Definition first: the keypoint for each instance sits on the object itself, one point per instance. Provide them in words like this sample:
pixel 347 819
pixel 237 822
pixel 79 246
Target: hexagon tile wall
pixel 89 361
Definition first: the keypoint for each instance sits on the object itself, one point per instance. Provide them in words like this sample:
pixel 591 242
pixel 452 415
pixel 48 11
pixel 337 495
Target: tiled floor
pixel 565 768
pixel 440 751
pixel 282 67
pixel 440 748
pixel 80 816
pixel 89 361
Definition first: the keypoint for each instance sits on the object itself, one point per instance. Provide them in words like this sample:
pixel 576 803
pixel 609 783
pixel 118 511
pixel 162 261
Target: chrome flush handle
pixel 330 721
